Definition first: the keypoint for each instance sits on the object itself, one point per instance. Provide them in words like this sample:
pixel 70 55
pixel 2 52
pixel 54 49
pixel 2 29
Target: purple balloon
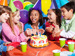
pixel 24 16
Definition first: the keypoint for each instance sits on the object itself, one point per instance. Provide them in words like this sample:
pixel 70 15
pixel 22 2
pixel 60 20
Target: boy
pixel 68 21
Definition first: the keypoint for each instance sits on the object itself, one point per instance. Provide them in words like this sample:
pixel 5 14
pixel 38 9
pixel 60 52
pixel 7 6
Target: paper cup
pixel 23 46
pixel 56 52
pixel 71 46
pixel 62 41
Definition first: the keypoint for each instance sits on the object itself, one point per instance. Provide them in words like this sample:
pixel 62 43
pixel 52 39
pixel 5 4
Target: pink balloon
pixel 18 4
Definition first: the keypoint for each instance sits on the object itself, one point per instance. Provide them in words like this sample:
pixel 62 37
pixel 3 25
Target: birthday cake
pixel 39 41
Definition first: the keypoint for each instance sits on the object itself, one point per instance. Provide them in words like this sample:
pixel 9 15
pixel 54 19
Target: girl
pixel 35 23
pixel 12 30
pixel 4 15
pixel 54 16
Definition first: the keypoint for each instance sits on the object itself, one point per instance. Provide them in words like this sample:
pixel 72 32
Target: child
pixel 68 21
pixel 4 15
pixel 12 31
pixel 54 16
pixel 35 23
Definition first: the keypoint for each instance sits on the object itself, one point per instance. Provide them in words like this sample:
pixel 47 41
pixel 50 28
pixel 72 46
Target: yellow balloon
pixel 26 3
pixel 45 5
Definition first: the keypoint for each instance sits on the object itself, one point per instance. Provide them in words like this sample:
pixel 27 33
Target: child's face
pixel 16 17
pixel 34 16
pixel 4 17
pixel 51 16
pixel 66 14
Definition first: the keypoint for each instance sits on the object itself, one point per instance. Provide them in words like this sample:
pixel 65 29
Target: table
pixel 46 51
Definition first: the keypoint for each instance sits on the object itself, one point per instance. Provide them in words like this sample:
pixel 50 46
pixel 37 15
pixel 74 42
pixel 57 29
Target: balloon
pixel 44 15
pixel 38 5
pixel 4 2
pixel 12 6
pixel 18 4
pixel 19 0
pixel 54 5
pixel 28 7
pixel 63 2
pixel 26 3
pixel 45 5
pixel 24 16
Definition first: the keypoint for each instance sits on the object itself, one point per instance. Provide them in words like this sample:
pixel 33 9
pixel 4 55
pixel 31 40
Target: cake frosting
pixel 39 41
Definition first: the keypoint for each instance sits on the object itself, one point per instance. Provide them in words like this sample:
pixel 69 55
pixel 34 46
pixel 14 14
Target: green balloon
pixel 27 7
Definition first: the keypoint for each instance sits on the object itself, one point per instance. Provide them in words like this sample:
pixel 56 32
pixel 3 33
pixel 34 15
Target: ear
pixel 71 10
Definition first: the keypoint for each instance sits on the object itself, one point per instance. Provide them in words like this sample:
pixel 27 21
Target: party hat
pixel 54 5
pixel 58 3
pixel 38 4
pixel 63 2
pixel 4 2
pixel 12 6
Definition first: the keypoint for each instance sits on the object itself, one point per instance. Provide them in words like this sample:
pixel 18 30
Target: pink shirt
pixel 8 35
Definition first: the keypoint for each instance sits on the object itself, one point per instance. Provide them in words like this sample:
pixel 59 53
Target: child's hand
pixel 28 32
pixel 9 48
pixel 6 43
pixel 49 29
pixel 42 31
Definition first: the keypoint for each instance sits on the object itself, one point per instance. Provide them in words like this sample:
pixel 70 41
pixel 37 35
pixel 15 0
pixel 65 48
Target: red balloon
pixel 18 4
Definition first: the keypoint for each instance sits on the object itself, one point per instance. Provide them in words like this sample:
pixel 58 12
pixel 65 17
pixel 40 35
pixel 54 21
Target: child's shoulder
pixel 4 24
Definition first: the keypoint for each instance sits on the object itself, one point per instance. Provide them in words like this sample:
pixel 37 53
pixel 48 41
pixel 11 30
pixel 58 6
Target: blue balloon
pixel 24 16
pixel 44 15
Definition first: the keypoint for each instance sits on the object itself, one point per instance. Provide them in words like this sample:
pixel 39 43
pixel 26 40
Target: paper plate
pixel 15 44
pixel 65 53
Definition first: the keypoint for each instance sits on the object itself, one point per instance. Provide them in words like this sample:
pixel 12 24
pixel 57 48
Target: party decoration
pixel 58 3
pixel 26 3
pixel 24 16
pixel 21 1
pixel 12 6
pixel 18 4
pixel 4 2
pixel 28 7
pixel 38 4
pixel 63 2
pixel 54 5
pixel 45 5
pixel 44 15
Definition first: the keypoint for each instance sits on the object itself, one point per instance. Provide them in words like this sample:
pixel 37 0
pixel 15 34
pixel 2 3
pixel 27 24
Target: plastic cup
pixel 62 41
pixel 56 52
pixel 23 46
pixel 71 46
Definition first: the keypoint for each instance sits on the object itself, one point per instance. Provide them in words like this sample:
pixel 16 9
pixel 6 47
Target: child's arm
pixel 71 32
pixel 9 34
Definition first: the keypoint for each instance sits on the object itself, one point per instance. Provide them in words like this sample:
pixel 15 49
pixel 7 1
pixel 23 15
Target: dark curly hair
pixel 40 17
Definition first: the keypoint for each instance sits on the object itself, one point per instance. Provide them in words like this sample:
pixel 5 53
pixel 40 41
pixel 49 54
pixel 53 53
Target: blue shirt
pixel 27 25
pixel 2 47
